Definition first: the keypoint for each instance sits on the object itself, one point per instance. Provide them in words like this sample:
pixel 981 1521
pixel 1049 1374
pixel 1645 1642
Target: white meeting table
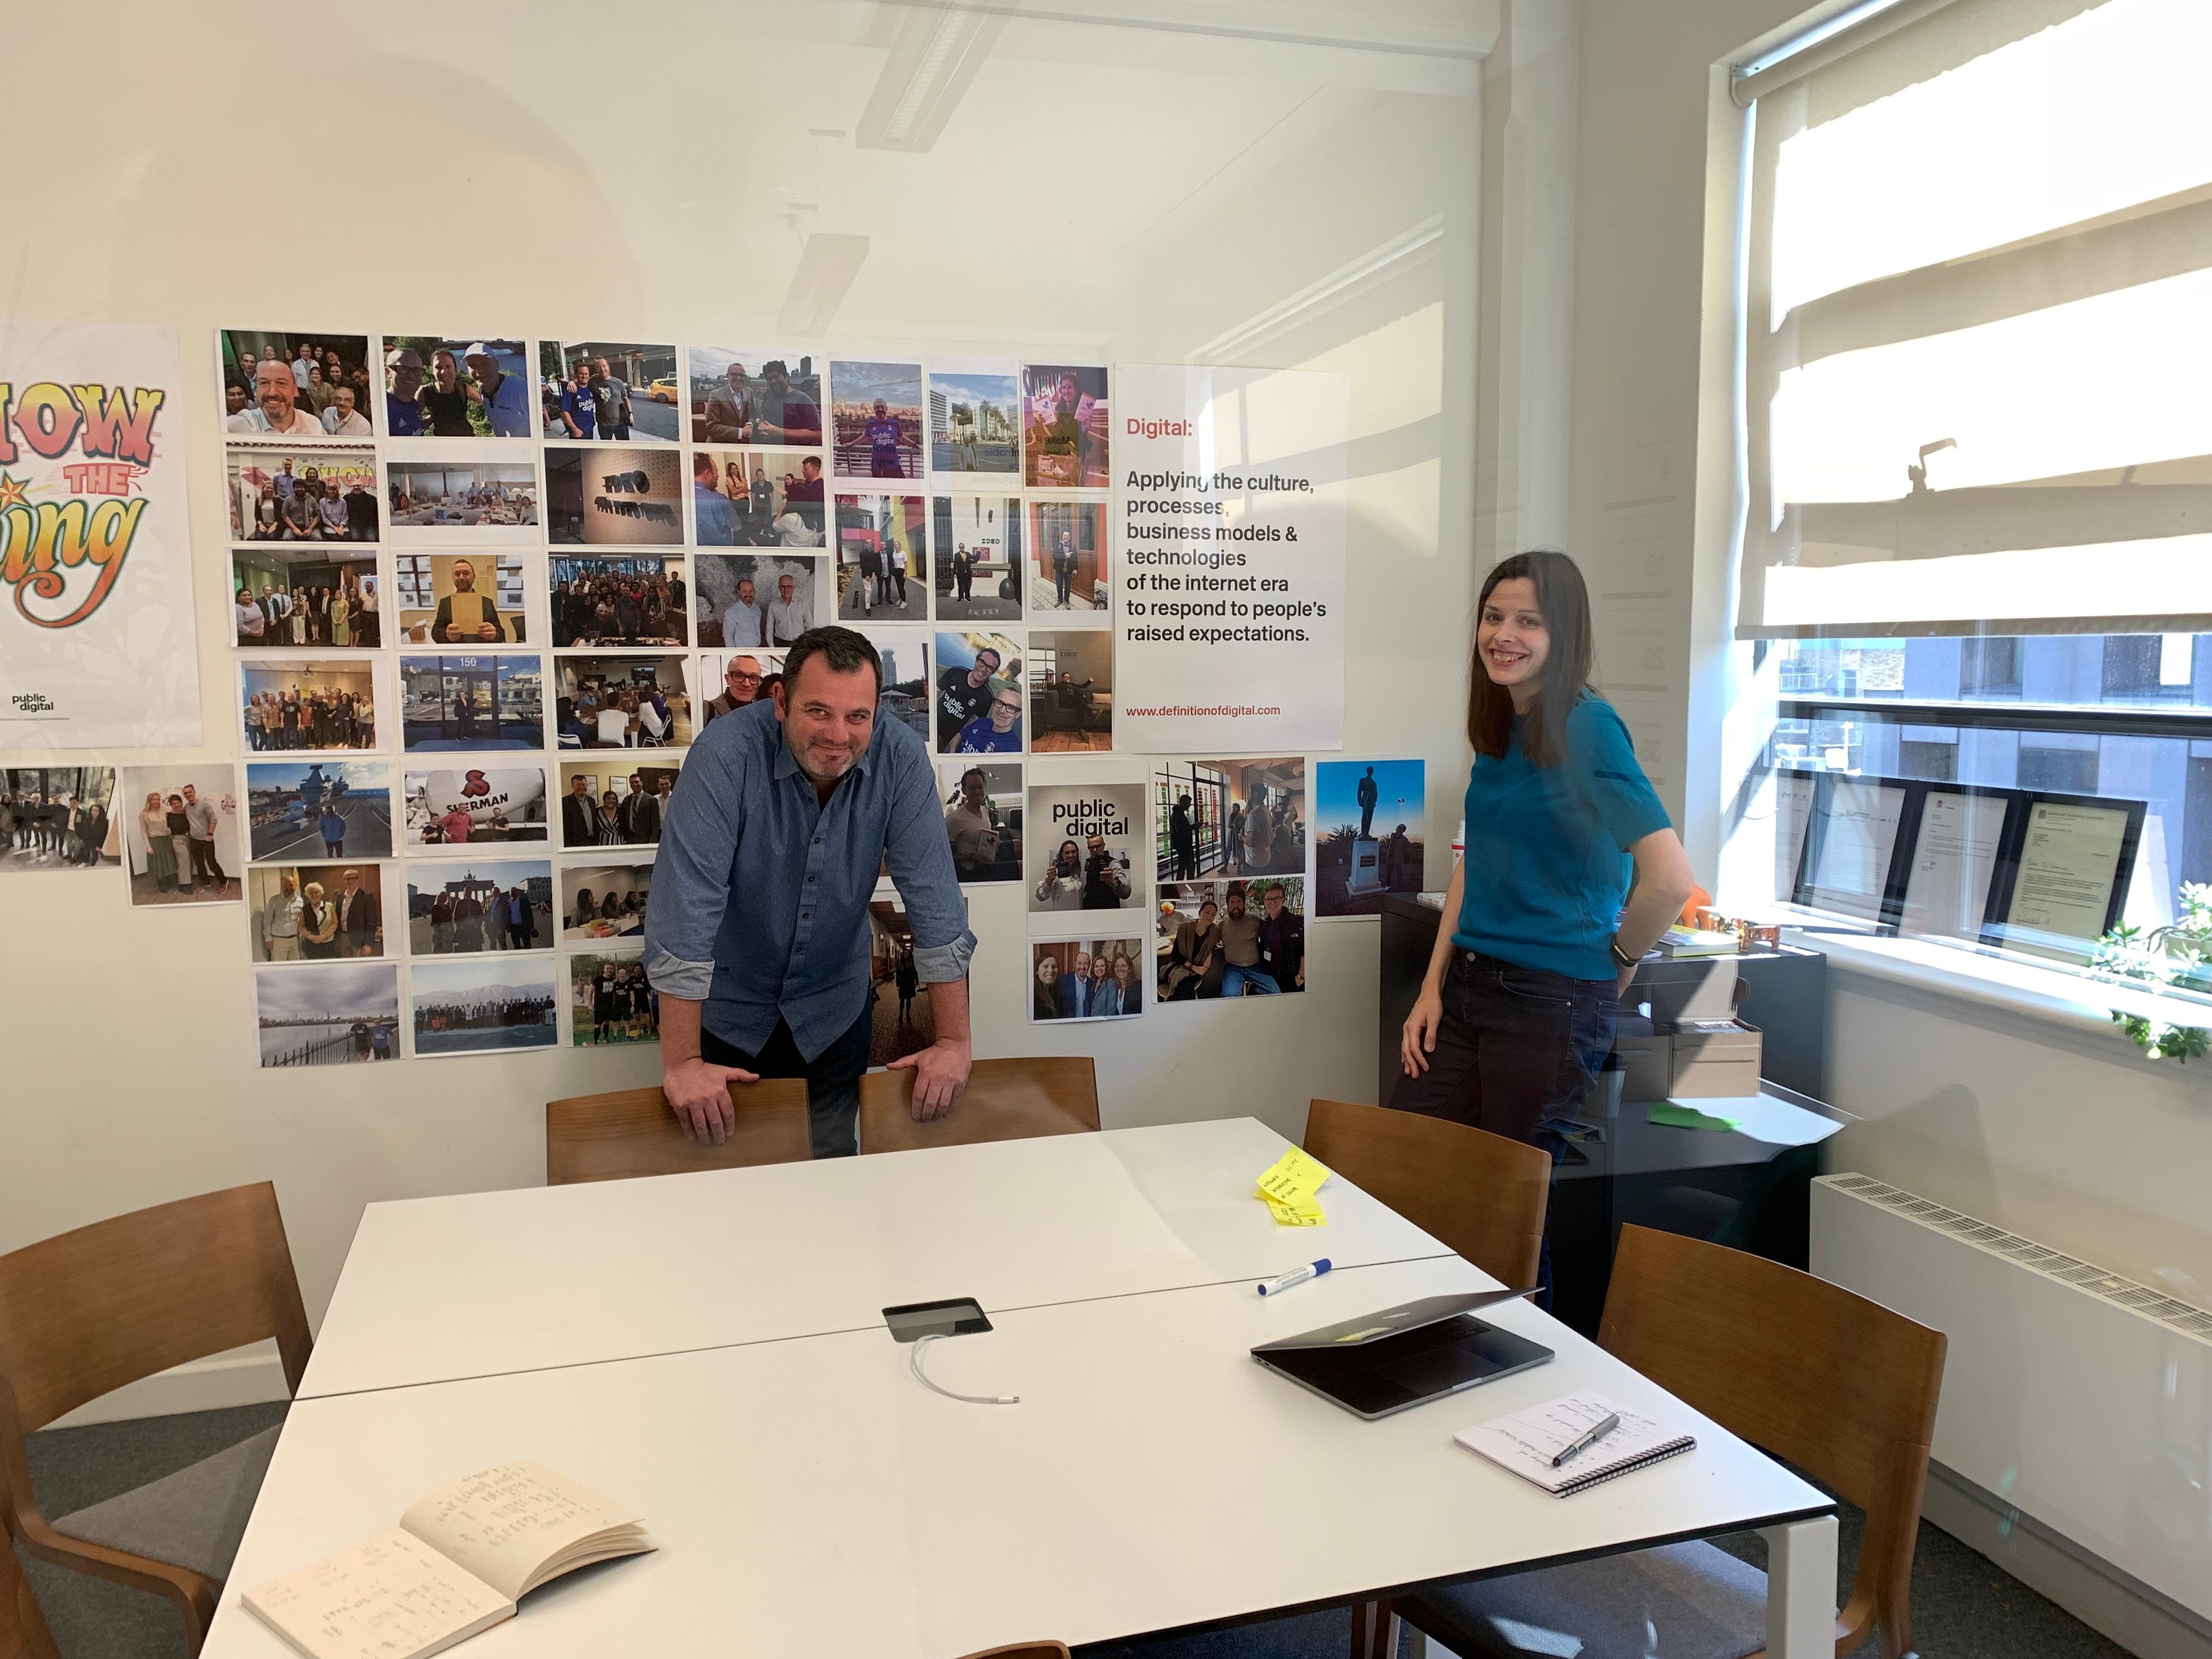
pixel 436 1289
pixel 810 1497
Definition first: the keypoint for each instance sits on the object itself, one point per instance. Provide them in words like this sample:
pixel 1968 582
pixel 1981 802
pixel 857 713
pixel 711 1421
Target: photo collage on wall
pixel 488 591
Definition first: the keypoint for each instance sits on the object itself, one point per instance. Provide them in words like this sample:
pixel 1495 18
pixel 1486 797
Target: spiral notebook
pixel 1527 1442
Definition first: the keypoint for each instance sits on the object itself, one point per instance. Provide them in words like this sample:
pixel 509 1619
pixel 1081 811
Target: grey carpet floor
pixel 1963 1606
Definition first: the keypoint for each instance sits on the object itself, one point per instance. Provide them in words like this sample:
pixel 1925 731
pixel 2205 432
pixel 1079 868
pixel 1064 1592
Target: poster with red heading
pixel 1228 542
pixel 98 647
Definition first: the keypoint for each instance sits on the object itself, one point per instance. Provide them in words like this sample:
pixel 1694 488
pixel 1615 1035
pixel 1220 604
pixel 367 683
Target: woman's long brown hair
pixel 1564 599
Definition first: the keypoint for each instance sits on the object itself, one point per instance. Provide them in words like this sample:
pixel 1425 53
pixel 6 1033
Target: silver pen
pixel 1597 1433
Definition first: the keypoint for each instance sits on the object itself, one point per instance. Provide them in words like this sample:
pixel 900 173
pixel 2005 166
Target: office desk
pixel 810 1497
pixel 439 1288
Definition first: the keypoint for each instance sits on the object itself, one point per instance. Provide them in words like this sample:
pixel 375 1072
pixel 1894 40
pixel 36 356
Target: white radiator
pixel 2082 1398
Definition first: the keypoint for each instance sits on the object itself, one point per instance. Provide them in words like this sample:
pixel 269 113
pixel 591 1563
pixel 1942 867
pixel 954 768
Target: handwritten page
pixel 520 1524
pixel 1290 1185
pixel 1859 836
pixel 1527 1442
pixel 390 1597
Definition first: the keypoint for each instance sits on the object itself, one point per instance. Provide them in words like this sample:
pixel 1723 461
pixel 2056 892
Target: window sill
pixel 2049 996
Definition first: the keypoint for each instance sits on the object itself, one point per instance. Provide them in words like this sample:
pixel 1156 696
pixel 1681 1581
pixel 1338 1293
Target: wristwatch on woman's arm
pixel 1621 956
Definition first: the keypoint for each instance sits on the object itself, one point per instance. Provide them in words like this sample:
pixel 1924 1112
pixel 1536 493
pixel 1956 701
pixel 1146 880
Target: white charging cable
pixel 914 1362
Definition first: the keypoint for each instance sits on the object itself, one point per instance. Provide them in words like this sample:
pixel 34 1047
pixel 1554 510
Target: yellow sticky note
pixel 1293 1178
pixel 1306 1214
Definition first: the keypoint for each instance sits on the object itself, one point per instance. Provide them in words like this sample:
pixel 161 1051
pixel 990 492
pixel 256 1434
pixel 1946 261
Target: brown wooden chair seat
pixel 1842 1388
pixel 83 1314
pixel 1005 1100
pixel 1478 1193
pixel 632 1132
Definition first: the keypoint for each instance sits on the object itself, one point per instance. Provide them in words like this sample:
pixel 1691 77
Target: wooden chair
pixel 88 1311
pixel 1839 1386
pixel 23 1632
pixel 1480 1193
pixel 1005 1100
pixel 632 1132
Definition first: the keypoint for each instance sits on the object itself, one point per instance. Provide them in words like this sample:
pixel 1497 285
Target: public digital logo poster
pixel 97 646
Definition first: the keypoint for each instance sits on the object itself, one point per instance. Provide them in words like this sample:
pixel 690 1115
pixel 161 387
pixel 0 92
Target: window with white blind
pixel 1978 409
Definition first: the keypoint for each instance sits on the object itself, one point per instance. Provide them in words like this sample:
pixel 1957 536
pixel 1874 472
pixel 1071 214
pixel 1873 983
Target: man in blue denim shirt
pixel 756 933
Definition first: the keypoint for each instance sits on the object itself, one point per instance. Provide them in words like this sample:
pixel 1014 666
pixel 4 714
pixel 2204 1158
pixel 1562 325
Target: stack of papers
pixel 1290 1186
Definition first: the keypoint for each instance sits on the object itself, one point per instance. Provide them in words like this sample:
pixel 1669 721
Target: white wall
pixel 525 170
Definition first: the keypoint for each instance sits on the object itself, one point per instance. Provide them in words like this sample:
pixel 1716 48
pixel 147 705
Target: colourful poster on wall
pixel 97 645
pixel 1227 576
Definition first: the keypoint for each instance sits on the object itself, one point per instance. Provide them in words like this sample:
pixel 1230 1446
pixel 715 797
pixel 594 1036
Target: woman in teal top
pixel 1571 873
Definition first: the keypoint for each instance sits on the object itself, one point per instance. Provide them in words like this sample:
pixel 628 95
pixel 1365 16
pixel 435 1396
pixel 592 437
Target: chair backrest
pixel 1005 1100
pixel 1818 1376
pixel 23 1632
pixel 1482 1194
pixel 633 1132
pixel 88 1311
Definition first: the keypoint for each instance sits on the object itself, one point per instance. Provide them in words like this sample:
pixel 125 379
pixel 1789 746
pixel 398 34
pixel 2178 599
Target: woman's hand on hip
pixel 1419 1041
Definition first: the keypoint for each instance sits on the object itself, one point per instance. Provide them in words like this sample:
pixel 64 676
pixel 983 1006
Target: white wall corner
pixel 245 1376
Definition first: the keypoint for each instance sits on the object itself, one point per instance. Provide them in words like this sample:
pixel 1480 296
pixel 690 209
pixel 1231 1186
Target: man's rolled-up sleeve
pixel 920 853
pixel 691 874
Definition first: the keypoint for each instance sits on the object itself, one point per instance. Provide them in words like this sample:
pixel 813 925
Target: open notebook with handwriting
pixel 457 1563
pixel 1527 1442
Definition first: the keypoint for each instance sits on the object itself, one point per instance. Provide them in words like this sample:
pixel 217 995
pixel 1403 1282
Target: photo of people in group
pixel 483 504
pixel 297 593
pixel 605 805
pixel 1231 938
pixel 620 600
pixel 465 907
pixel 1067 561
pixel 756 498
pixel 607 392
pixel 603 901
pixel 1065 427
pixel 875 413
pixel 473 806
pixel 974 418
pixel 329 703
pixel 1084 853
pixel 742 678
pixel 462 599
pixel 316 912
pixel 983 818
pixel 602 497
pixel 480 1006
pixel 1086 979
pixel 1230 817
pixel 903 654
pixel 1369 816
pixel 295 495
pixel 449 386
pixel 757 599
pixel 622 703
pixel 337 1013
pixel 1070 692
pixel 979 557
pixel 296 386
pixel 882 557
pixel 325 808
pixel 610 1001
pixel 58 818
pixel 740 397
pixel 979 700
pixel 181 836
pixel 457 701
